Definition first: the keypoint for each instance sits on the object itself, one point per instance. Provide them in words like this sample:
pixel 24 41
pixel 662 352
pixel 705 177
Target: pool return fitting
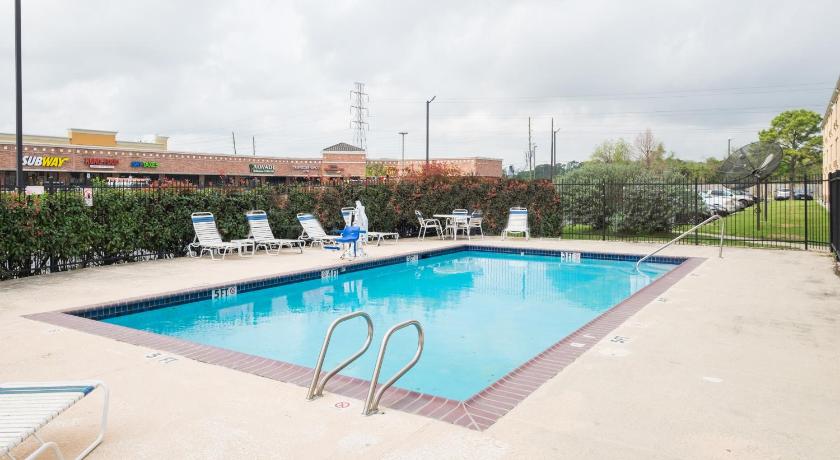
pixel 316 388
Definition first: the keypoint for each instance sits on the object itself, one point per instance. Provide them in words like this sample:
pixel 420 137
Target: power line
pixel 764 89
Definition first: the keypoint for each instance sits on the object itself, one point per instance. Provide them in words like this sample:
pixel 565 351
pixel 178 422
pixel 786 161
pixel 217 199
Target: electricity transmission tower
pixel 359 114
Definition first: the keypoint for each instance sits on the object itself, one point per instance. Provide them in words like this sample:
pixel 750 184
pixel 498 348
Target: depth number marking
pixel 220 293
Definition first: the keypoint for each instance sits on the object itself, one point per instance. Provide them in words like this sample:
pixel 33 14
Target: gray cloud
pixel 696 73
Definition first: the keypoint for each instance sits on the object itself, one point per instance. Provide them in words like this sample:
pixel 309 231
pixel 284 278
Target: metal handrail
pixel 316 388
pixel 684 234
pixel 373 397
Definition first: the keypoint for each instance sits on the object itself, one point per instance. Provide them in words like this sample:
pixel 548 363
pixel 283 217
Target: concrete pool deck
pixel 740 359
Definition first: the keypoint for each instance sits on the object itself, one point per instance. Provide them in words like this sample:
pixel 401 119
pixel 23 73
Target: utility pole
pixel 253 146
pixel 729 146
pixel 551 176
pixel 358 114
pixel 553 149
pixel 427 128
pixel 530 151
pixel 21 180
pixel 402 162
pixel 233 135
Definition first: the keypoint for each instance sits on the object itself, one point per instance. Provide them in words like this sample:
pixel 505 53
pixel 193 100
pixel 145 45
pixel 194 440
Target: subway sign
pixel 144 164
pixel 261 168
pixel 45 161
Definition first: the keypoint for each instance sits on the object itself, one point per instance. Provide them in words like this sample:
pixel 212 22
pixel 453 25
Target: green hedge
pixel 57 231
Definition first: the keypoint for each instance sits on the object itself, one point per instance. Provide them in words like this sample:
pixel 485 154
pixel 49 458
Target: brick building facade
pixel 66 161
pixel 831 134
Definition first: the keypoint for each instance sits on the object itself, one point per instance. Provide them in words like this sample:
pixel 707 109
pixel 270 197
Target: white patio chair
pixel 313 231
pixel 207 238
pixel 426 224
pixel 475 222
pixel 517 223
pixel 459 223
pixel 263 236
pixel 25 407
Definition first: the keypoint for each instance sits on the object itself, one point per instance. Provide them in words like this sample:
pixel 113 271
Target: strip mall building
pixel 87 154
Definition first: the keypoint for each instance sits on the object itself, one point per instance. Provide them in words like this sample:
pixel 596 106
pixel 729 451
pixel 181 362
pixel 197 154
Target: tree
pixel 649 150
pixel 543 171
pixel 705 171
pixel 379 170
pixel 797 131
pixel 612 152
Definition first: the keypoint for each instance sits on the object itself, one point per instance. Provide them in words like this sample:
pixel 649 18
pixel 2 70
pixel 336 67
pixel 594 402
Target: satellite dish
pixel 751 163
pixel 748 166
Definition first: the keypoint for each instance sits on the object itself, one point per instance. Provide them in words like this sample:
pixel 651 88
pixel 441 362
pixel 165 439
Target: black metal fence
pixel 56 231
pixel 779 214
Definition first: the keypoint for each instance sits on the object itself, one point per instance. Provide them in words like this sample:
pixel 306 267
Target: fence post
pixel 603 210
pixel 805 199
pixel 696 209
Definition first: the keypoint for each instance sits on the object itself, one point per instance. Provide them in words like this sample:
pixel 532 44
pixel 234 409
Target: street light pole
pixel 553 149
pixel 21 185
pixel 402 161
pixel 427 128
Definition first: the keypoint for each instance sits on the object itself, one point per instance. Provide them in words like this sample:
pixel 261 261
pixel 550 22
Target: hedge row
pixel 56 231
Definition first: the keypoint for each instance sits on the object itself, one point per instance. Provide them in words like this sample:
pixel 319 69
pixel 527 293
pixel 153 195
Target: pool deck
pixel 739 359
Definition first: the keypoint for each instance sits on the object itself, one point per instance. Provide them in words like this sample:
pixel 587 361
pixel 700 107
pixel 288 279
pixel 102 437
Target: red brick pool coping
pixel 478 412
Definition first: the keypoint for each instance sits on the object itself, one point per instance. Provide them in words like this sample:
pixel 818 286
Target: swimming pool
pixel 484 314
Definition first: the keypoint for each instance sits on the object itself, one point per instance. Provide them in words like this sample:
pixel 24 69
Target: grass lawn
pixel 785 221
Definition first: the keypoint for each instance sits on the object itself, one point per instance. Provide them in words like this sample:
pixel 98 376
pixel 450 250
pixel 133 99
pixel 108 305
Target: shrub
pixel 56 231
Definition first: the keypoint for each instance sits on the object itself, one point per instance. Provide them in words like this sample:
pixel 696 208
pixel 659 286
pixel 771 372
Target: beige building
pixel 831 134
pixel 76 136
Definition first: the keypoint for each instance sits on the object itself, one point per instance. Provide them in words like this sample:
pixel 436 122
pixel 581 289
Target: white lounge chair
pixel 358 217
pixel 517 223
pixel 426 224
pixel 263 236
pixel 25 407
pixel 207 238
pixel 313 231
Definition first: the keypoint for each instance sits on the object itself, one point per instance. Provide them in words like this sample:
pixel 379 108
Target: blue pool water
pixel 484 315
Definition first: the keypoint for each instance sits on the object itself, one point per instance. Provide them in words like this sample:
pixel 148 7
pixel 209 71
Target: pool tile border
pixel 479 412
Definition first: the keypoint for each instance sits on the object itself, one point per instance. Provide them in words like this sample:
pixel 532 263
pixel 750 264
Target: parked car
pixel 782 194
pixel 719 203
pixel 744 197
pixel 800 194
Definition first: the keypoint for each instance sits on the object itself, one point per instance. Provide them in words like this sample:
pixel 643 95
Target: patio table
pixel 450 217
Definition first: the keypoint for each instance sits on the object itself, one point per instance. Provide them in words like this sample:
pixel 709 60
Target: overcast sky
pixel 695 72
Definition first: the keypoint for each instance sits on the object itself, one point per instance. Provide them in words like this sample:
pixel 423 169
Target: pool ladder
pixel 316 388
